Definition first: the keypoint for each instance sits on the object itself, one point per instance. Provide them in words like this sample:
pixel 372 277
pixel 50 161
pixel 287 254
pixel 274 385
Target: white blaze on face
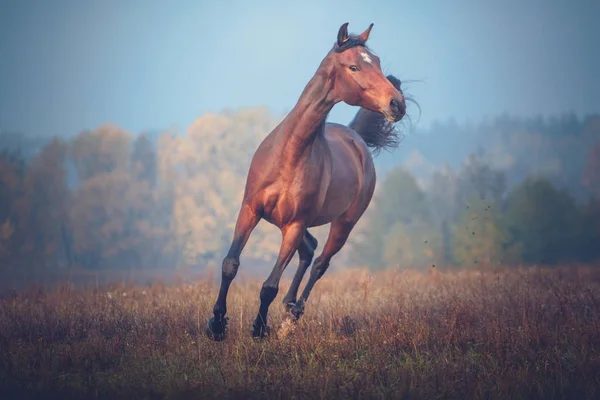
pixel 366 57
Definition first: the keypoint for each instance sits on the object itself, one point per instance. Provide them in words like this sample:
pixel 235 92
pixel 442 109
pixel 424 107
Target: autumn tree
pixel 102 151
pixel 100 215
pixel 13 206
pixel 144 160
pixel 204 172
pixel 45 185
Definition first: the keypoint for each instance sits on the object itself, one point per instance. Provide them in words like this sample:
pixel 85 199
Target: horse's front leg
pixel 292 236
pixel 246 222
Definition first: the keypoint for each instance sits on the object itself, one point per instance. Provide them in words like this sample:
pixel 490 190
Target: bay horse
pixel 308 173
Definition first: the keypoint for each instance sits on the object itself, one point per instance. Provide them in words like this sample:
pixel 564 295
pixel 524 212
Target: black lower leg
pixel 319 267
pixel 306 251
pixel 246 222
pixel 218 323
pixel 267 295
pixel 338 235
pixel 292 235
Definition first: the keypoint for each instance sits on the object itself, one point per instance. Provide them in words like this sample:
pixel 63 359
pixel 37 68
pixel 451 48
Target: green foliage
pixel 400 228
pixel 480 236
pixel 468 219
pixel 591 174
pixel 414 246
pixel 478 179
pixel 544 221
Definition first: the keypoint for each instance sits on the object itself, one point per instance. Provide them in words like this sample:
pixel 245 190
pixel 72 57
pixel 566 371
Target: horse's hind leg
pixel 246 222
pixel 338 235
pixel 306 251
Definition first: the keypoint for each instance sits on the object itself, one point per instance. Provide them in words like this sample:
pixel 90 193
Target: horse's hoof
pixel 261 332
pixel 297 310
pixel 216 330
pixel 289 305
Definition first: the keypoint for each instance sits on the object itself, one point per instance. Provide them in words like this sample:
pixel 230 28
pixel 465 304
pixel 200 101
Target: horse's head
pixel 359 80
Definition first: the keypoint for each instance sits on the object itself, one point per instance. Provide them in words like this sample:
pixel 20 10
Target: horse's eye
pixel 353 68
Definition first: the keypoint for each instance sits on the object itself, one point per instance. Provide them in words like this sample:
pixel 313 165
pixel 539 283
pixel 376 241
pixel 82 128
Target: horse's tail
pixel 376 131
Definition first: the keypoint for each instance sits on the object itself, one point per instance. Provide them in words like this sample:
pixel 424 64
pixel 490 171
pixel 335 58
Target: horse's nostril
pixel 396 107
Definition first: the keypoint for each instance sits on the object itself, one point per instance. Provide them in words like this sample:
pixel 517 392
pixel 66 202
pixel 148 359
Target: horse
pixel 309 173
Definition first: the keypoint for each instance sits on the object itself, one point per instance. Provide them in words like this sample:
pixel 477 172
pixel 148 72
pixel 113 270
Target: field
pixel 527 333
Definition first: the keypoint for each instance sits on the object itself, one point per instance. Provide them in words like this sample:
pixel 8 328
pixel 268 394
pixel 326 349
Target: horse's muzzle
pixel 397 110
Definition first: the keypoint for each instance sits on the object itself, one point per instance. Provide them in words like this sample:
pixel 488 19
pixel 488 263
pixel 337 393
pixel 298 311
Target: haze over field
pixel 508 91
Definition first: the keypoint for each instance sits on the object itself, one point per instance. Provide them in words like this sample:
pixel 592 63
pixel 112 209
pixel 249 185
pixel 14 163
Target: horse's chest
pixel 296 198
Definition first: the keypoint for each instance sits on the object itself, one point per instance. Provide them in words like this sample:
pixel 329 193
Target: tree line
pixel 106 198
pixel 470 218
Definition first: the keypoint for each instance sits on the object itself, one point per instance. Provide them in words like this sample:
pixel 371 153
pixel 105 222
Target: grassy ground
pixel 532 333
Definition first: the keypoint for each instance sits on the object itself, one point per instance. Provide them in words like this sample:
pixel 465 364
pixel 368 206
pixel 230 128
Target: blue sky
pixel 67 66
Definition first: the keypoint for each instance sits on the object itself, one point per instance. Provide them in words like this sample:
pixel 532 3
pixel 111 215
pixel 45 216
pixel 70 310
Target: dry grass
pixel 532 333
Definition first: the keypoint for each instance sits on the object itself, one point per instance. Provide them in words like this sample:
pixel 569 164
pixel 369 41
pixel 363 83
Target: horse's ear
pixel 342 34
pixel 365 35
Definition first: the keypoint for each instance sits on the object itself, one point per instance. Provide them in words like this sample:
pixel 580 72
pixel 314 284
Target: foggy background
pixel 126 131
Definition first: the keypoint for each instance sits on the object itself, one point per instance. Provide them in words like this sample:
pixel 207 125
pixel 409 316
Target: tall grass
pixel 528 333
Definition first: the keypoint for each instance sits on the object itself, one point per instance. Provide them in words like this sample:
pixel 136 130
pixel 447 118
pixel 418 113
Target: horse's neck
pixel 307 119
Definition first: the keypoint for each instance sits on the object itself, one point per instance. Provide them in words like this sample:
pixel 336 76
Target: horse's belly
pixel 331 210
pixel 343 190
pixel 352 177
